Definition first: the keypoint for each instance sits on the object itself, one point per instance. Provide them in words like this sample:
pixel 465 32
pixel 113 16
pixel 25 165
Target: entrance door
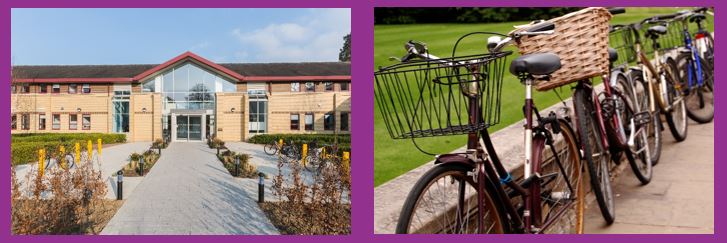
pixel 258 116
pixel 189 128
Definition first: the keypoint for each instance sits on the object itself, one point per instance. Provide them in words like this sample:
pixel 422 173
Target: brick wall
pixel 281 105
pixel 98 105
pixel 145 125
pixel 231 126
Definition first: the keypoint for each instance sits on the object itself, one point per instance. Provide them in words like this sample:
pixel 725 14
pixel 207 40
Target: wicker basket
pixel 581 42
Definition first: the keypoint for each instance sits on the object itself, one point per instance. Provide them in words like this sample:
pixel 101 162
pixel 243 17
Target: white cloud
pixel 316 36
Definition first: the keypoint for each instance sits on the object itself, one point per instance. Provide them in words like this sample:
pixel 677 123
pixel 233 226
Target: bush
pixel 301 138
pixel 133 169
pixel 215 142
pixel 159 143
pixel 247 170
pixel 24 147
pixel 107 138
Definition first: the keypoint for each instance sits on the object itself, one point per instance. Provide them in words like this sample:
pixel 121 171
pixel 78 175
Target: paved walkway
pixel 189 192
pixel 680 197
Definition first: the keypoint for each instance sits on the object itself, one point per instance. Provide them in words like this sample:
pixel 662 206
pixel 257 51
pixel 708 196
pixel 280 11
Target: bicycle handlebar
pixel 616 10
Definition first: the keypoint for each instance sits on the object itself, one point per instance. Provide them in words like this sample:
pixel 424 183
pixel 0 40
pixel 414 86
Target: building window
pixel 86 88
pixel 329 86
pixel 25 121
pixel 14 122
pixel 121 111
pixel 295 122
pixel 294 87
pixel 41 122
pixel 72 88
pixel 344 86
pixel 25 88
pixel 344 121
pixel 329 121
pixel 309 121
pixel 56 88
pixel 72 122
pixel 43 88
pixel 310 87
pixel 86 121
pixel 56 122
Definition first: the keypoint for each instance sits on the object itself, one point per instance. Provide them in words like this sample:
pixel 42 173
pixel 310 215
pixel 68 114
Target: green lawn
pixel 395 157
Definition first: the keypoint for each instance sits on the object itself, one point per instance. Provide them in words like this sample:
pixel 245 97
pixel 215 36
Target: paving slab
pixel 189 192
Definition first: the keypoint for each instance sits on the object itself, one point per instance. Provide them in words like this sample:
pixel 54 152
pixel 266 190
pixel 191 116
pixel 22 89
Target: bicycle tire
pixel 699 100
pixel 641 95
pixel 271 148
pixel 457 172
pixel 678 113
pixel 590 139
pixel 571 165
pixel 312 163
pixel 641 163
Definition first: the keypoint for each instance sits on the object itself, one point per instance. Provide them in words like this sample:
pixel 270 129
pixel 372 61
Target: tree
pixel 345 53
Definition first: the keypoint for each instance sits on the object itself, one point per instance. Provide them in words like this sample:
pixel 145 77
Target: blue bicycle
pixel 695 67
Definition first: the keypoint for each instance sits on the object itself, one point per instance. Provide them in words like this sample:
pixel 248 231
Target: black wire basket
pixel 674 37
pixel 621 38
pixel 427 98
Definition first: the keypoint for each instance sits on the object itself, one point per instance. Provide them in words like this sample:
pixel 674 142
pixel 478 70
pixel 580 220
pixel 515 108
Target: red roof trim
pixel 182 57
pixel 295 78
pixel 72 80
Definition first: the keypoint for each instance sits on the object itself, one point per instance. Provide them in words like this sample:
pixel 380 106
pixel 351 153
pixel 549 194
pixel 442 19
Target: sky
pixel 152 36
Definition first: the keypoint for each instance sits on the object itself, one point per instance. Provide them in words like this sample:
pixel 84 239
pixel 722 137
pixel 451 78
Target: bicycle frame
pixel 489 170
pixel 695 65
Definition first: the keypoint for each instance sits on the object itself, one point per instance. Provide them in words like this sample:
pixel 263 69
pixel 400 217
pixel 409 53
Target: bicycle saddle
pixel 536 63
pixel 697 17
pixel 612 54
pixel 655 31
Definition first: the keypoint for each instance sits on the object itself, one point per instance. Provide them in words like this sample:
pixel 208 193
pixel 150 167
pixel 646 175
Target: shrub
pixel 247 170
pixel 159 143
pixel 107 138
pixel 62 201
pixel 301 138
pixel 23 153
pixel 215 142
pixel 133 169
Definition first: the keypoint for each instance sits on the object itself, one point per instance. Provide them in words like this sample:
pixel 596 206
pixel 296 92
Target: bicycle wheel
pixel 271 148
pixel 565 192
pixel 312 162
pixel 699 99
pixel 677 117
pixel 638 153
pixel 596 156
pixel 641 94
pixel 444 201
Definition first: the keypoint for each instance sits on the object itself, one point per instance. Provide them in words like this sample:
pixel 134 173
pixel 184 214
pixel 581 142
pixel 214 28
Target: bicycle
pixel 660 81
pixel 696 75
pixel 318 158
pixel 272 148
pixel 472 184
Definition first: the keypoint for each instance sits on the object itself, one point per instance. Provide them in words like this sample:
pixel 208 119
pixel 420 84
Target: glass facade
pixel 188 87
pixel 120 103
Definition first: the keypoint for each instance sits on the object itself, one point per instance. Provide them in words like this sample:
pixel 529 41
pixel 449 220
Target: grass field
pixel 395 157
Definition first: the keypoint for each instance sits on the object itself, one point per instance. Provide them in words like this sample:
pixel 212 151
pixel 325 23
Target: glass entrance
pixel 189 128
pixel 258 116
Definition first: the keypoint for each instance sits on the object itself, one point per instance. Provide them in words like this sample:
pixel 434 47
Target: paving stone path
pixel 189 192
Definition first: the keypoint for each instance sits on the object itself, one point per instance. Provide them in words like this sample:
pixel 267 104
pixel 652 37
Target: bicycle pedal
pixel 642 118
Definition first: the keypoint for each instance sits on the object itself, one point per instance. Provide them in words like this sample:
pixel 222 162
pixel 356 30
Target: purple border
pixel 362 127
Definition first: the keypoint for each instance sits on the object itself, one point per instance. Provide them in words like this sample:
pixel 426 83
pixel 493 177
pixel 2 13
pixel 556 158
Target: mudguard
pixel 454 158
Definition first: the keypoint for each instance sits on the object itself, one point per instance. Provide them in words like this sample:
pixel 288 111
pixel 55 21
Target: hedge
pixel 301 138
pixel 107 138
pixel 24 147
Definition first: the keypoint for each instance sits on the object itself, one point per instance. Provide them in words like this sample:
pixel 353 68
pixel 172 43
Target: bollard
pixel 159 150
pixel 89 147
pixel 347 163
pixel 78 152
pixel 304 154
pixel 141 165
pixel 41 162
pixel 323 152
pixel 63 157
pixel 99 146
pixel 261 188
pixel 237 166
pixel 119 185
pixel 280 145
pixel 218 150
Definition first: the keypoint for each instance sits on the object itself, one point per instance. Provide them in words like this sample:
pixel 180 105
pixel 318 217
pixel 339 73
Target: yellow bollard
pixel 78 152
pixel 63 157
pixel 347 162
pixel 90 149
pixel 99 146
pixel 304 153
pixel 280 147
pixel 323 153
pixel 41 162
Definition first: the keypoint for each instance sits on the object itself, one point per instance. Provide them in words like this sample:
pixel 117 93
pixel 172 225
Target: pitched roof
pixel 129 72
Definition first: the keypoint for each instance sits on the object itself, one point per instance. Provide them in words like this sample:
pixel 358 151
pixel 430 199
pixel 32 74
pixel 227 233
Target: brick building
pixel 187 98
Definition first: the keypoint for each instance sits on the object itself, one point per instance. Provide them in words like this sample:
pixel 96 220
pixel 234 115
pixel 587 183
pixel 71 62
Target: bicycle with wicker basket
pixel 472 192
